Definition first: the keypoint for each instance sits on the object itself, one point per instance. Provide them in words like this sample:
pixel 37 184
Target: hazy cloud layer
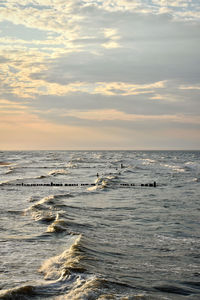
pixel 120 67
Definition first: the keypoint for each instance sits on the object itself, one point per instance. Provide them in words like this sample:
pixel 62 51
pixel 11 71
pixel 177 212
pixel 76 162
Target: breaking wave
pixel 64 264
pixel 59 225
pixel 42 210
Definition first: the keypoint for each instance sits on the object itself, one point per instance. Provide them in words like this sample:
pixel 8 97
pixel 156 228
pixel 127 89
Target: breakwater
pixel 154 184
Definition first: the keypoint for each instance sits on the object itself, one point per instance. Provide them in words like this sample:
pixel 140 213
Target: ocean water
pixel 87 225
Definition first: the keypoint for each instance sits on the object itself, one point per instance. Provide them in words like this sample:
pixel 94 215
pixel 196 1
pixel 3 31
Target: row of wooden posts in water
pixel 154 184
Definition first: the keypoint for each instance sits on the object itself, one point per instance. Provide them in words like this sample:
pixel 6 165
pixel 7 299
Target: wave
pixel 78 159
pixel 175 168
pixel 67 276
pixel 85 163
pixel 42 210
pixel 95 288
pixel 89 289
pixel 21 292
pixel 64 275
pixel 39 204
pixel 11 170
pixel 43 217
pixel 13 212
pixel 64 223
pixel 148 161
pixel 16 181
pixel 76 286
pixel 41 177
pixel 73 286
pixel 70 269
pixel 176 240
pixel 76 165
pixel 64 264
pixel 72 165
pixel 194 166
pixel 5 182
pixel 48 200
pixel 55 172
pixel 58 172
pixel 102 182
pixel 173 289
pixel 59 225
pixel 5 163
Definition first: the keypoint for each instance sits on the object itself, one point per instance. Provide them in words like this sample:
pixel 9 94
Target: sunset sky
pixel 93 74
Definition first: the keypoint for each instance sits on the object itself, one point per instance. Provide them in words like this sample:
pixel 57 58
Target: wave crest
pixel 69 261
pixel 59 225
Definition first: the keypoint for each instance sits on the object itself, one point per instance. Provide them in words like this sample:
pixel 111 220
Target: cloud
pixel 125 89
pixel 3 59
pixel 11 106
pixel 187 87
pixel 112 35
pixel 25 89
pixel 178 9
pixel 125 65
pixel 92 49
pixel 111 44
pixel 55 15
pixel 32 132
pixel 113 114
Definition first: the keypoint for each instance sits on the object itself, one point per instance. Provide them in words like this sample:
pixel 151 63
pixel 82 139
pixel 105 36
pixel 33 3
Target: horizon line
pixel 99 149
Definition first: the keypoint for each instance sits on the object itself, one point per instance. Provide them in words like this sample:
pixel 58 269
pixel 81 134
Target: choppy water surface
pixel 102 241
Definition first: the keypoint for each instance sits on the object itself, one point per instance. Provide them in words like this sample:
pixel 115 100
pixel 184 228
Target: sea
pixel 100 225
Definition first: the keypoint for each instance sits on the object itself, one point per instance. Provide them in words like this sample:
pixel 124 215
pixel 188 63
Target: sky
pixel 93 74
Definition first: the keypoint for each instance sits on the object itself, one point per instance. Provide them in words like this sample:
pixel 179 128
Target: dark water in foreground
pixel 102 241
